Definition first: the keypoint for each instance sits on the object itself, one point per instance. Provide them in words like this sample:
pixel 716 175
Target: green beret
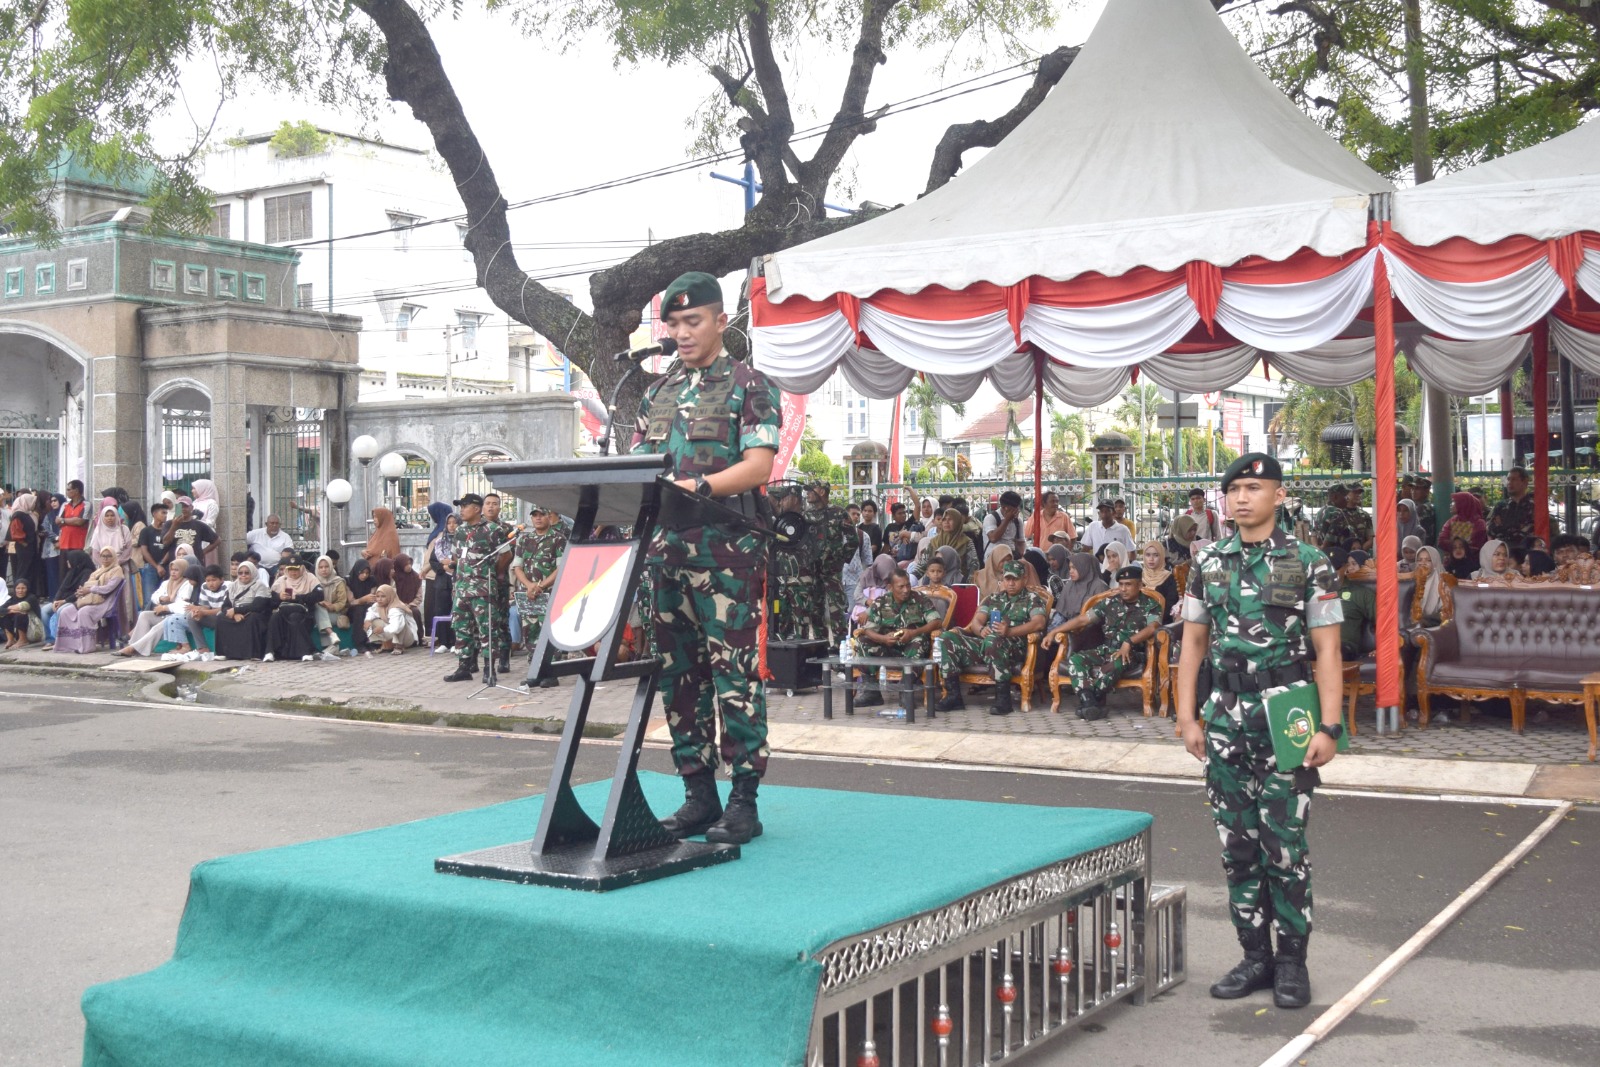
pixel 1252 465
pixel 692 290
pixel 1012 568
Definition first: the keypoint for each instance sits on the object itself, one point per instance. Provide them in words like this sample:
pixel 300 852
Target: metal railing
pixel 29 454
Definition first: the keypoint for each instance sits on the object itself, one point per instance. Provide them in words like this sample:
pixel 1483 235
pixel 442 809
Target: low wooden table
pixel 1591 705
pixel 869 665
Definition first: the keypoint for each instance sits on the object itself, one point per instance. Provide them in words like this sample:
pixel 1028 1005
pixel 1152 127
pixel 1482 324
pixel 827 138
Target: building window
pixel 467 323
pixel 403 319
pixel 222 220
pixel 228 284
pixel 14 281
pixel 77 274
pixel 194 278
pixel 855 416
pixel 288 218
pixel 44 278
pixel 255 287
pixel 303 296
pixel 401 224
pixel 164 275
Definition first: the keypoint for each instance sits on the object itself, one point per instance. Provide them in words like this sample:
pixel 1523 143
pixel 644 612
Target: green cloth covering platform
pixel 353 952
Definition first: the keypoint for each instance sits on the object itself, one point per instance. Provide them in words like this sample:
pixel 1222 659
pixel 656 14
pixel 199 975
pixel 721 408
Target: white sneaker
pixel 326 654
pixel 191 655
pixel 207 657
pixel 307 659
pixel 171 657
pixel 267 658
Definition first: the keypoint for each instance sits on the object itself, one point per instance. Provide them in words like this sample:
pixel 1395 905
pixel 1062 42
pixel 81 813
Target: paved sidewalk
pixel 1480 756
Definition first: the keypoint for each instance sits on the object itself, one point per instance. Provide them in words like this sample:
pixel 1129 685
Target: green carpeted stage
pixel 353 952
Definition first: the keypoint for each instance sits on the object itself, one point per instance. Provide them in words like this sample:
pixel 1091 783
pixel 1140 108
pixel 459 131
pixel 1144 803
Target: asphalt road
pixel 106 808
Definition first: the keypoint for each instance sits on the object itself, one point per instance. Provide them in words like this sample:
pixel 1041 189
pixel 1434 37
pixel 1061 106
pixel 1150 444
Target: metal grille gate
pixel 30 454
pixel 185 448
pixel 292 472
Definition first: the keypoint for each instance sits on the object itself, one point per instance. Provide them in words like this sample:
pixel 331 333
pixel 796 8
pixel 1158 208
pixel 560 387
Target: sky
pixel 553 122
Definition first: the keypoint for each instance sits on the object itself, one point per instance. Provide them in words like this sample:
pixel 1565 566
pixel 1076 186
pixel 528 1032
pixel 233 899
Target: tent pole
pixel 1508 431
pixel 1569 440
pixel 1541 429
pixel 1389 692
pixel 1038 433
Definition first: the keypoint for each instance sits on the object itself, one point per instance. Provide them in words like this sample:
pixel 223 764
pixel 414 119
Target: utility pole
pixel 449 363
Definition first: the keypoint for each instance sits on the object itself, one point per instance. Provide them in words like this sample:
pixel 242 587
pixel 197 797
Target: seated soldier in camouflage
pixel 899 623
pixel 1129 621
pixel 996 638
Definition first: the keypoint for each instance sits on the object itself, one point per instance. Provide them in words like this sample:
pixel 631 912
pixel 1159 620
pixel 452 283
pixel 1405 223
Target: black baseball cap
pixel 470 498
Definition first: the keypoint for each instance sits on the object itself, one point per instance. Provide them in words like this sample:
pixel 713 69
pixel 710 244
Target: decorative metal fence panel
pixel 30 454
pixel 472 479
pixel 185 448
pixel 293 472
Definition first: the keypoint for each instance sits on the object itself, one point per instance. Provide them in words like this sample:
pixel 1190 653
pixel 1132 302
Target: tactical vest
pixel 712 431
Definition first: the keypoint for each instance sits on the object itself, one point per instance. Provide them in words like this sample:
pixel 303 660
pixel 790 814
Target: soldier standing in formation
pixel 502 586
pixel 718 419
pixel 533 567
pixel 478 544
pixel 1511 520
pixel 792 573
pixel 1265 609
pixel 996 638
pixel 1129 622
pixel 1333 524
pixel 1357 519
pixel 899 623
pixel 837 541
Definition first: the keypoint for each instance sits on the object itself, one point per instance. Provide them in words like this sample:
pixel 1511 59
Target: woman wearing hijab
pixel 388 624
pixel 1465 522
pixel 1406 517
pixel 1494 562
pixel 1181 539
pixel 408 586
pixel 1157 576
pixel 19 614
pixel 1461 562
pixel 206 504
pixel 49 533
pixel 1433 587
pixel 1083 581
pixel 171 601
pixel 953 535
pixel 1409 548
pixel 110 532
pixel 874 584
pixel 1113 558
pixel 331 609
pixel 989 576
pixel 439 567
pixel 78 622
pixel 294 595
pixel 75 570
pixel 363 592
pixel 22 542
pixel 242 626
pixel 1040 563
pixel 385 540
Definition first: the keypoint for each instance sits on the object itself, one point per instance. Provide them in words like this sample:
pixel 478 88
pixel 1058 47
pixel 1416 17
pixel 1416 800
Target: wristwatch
pixel 702 486
pixel 1336 731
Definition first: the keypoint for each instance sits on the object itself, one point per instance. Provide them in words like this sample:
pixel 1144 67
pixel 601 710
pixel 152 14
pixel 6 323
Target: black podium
pixel 596 582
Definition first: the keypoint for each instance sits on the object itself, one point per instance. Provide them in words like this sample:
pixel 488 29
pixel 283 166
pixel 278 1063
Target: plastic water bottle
pixel 938 651
pixel 883 679
pixel 844 650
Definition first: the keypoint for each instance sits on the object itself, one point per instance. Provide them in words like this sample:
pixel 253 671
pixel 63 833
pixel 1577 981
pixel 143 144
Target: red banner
pixel 794 424
pixel 1233 423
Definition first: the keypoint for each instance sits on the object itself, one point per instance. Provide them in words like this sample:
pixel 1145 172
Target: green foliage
pixel 295 139
pixel 1501 74
pixel 1308 410
pixel 923 401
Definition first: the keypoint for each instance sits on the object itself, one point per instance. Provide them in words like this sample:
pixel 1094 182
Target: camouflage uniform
pixel 792 590
pixel 473 614
pixel 1260 601
pixel 707 580
pixel 1002 655
pixel 1333 529
pixel 538 553
pixel 1092 671
pixel 502 594
pixel 1512 521
pixel 885 616
pixel 1359 524
pixel 836 541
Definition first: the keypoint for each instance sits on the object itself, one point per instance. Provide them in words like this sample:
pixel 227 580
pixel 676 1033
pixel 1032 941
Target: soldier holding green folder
pixel 1264 607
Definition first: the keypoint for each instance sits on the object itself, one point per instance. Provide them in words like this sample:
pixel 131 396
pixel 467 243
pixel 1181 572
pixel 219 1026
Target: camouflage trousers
pixel 1094 673
pixel 706 624
pixel 502 614
pixel 830 615
pixel 472 619
pixel 1002 655
pixel 1261 815
pixel 531 611
pixel 794 611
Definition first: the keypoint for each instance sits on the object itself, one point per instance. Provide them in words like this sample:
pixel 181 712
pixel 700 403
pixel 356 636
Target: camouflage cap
pixel 691 290
pixel 1012 568
pixel 1252 465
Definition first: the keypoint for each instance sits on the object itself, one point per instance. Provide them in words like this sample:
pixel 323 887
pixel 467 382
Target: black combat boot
pixel 866 695
pixel 549 681
pixel 739 823
pixel 1092 708
pixel 462 673
pixel 701 806
pixel 952 700
pixel 1002 699
pixel 1291 982
pixel 1253 972
pixel 503 664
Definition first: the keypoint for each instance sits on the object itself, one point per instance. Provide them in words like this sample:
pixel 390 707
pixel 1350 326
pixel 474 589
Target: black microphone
pixel 664 347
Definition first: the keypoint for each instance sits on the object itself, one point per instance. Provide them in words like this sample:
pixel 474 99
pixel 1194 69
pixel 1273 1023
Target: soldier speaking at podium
pixel 718 419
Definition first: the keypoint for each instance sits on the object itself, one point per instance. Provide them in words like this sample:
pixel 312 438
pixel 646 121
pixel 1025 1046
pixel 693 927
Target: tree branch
pixel 850 121
pixel 767 143
pixel 415 75
pixel 986 133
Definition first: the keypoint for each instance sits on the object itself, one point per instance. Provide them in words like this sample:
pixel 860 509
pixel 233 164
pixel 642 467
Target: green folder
pixel 1292 717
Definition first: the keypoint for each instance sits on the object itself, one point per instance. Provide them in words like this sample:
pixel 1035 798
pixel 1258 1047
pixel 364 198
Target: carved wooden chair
pixel 1024 676
pixel 1147 681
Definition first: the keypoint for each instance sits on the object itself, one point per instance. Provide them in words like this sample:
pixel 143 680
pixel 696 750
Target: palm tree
pixel 923 401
